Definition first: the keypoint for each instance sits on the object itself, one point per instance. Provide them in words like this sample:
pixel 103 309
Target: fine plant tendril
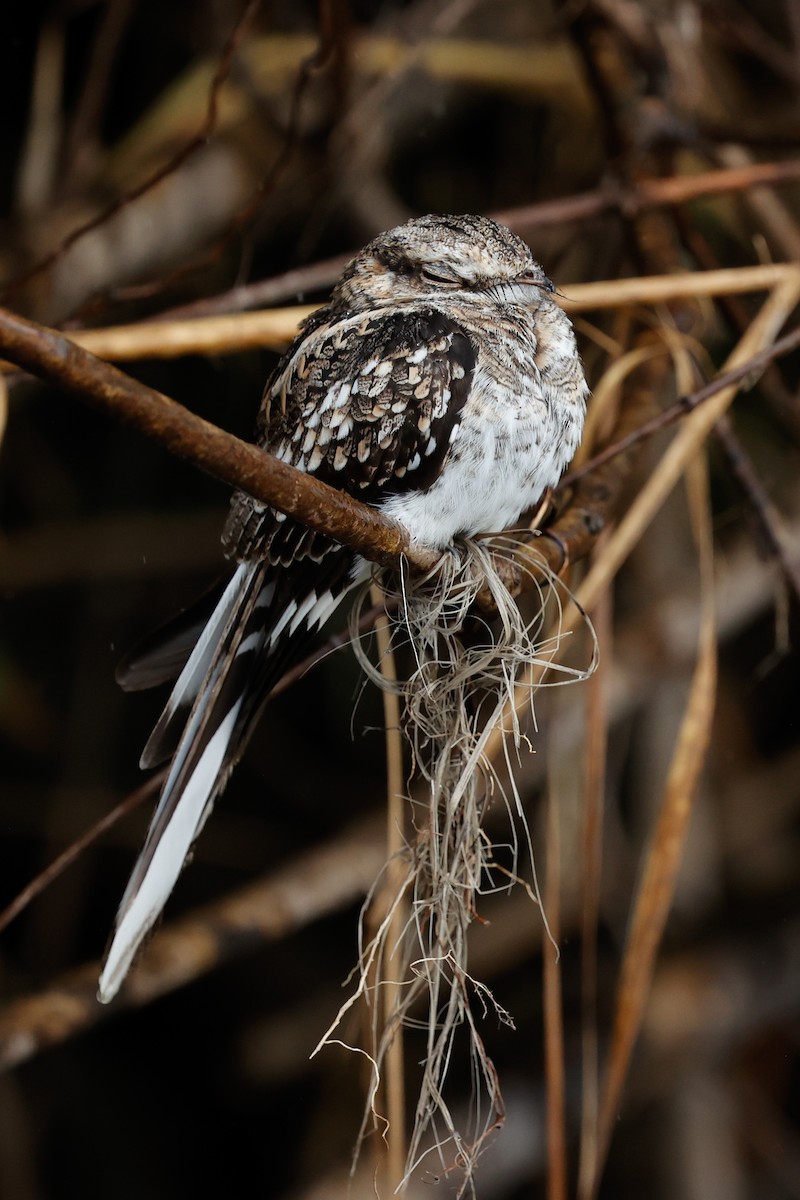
pixel 461 685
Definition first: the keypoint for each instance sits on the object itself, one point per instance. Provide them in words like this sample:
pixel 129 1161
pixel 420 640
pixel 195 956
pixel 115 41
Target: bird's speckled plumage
pixel 440 383
pixel 441 345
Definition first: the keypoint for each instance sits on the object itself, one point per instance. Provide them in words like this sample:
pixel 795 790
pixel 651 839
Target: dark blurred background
pixel 330 125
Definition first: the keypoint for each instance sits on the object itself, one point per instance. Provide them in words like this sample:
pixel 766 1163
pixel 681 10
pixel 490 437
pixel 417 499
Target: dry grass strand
pixel 463 673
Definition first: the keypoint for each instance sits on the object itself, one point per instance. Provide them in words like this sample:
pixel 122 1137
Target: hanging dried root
pixel 463 673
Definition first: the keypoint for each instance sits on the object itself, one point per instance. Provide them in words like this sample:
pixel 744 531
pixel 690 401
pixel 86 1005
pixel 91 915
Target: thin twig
pixel 389 972
pixel 290 285
pixel 189 148
pixel 766 518
pixel 686 405
pixel 594 779
pixel 553 1004
pixel 57 867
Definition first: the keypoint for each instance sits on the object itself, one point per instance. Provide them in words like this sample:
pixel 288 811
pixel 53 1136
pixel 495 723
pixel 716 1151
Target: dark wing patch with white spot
pixel 370 407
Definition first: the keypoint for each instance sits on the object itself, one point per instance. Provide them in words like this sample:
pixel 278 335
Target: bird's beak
pixel 538 281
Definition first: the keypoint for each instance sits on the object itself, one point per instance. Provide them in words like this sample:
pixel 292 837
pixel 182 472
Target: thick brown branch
pixel 53 357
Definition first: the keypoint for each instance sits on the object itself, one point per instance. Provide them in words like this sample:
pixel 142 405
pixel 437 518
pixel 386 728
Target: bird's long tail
pixel 259 626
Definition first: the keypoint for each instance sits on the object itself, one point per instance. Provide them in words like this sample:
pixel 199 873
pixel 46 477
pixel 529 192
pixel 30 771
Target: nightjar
pixel 442 384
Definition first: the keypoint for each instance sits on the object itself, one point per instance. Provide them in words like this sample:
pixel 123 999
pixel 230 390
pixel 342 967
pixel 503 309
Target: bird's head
pixel 434 257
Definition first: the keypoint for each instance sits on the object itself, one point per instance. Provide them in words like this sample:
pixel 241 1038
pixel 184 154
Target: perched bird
pixel 442 384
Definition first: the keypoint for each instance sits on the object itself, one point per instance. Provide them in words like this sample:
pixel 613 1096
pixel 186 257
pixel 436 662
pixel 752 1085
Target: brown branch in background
pixel 633 198
pixel 778 222
pixel 186 151
pixel 53 357
pixel 316 277
pixel 38 163
pixel 322 881
pixel 84 130
pixel 777 395
pixel 733 26
pixel 647 193
pixel 229 333
pixel 315 61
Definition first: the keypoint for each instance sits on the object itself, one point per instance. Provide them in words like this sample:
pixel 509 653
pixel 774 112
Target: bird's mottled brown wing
pixel 368 404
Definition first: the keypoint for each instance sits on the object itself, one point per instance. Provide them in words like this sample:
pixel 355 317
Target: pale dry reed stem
pixel 275 327
pixel 394 1083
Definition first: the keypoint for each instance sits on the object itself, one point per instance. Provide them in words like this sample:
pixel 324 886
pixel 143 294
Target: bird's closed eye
pixel 437 276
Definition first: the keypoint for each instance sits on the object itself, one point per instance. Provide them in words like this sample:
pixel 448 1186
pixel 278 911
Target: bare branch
pixel 74 850
pixel 646 194
pixel 766 518
pixel 53 357
pixel 275 327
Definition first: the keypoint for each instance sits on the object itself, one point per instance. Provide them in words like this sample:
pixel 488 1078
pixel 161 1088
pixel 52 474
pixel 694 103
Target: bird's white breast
pixel 511 445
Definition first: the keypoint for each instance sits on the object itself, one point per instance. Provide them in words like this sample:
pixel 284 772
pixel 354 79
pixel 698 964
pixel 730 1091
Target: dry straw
pixel 456 695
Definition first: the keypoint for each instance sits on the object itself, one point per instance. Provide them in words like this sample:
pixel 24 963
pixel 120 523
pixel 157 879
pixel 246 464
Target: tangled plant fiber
pixel 460 687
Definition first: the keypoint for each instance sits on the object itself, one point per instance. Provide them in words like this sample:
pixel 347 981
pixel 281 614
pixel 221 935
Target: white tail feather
pixel 191 678
pixel 144 907
pixel 198 772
